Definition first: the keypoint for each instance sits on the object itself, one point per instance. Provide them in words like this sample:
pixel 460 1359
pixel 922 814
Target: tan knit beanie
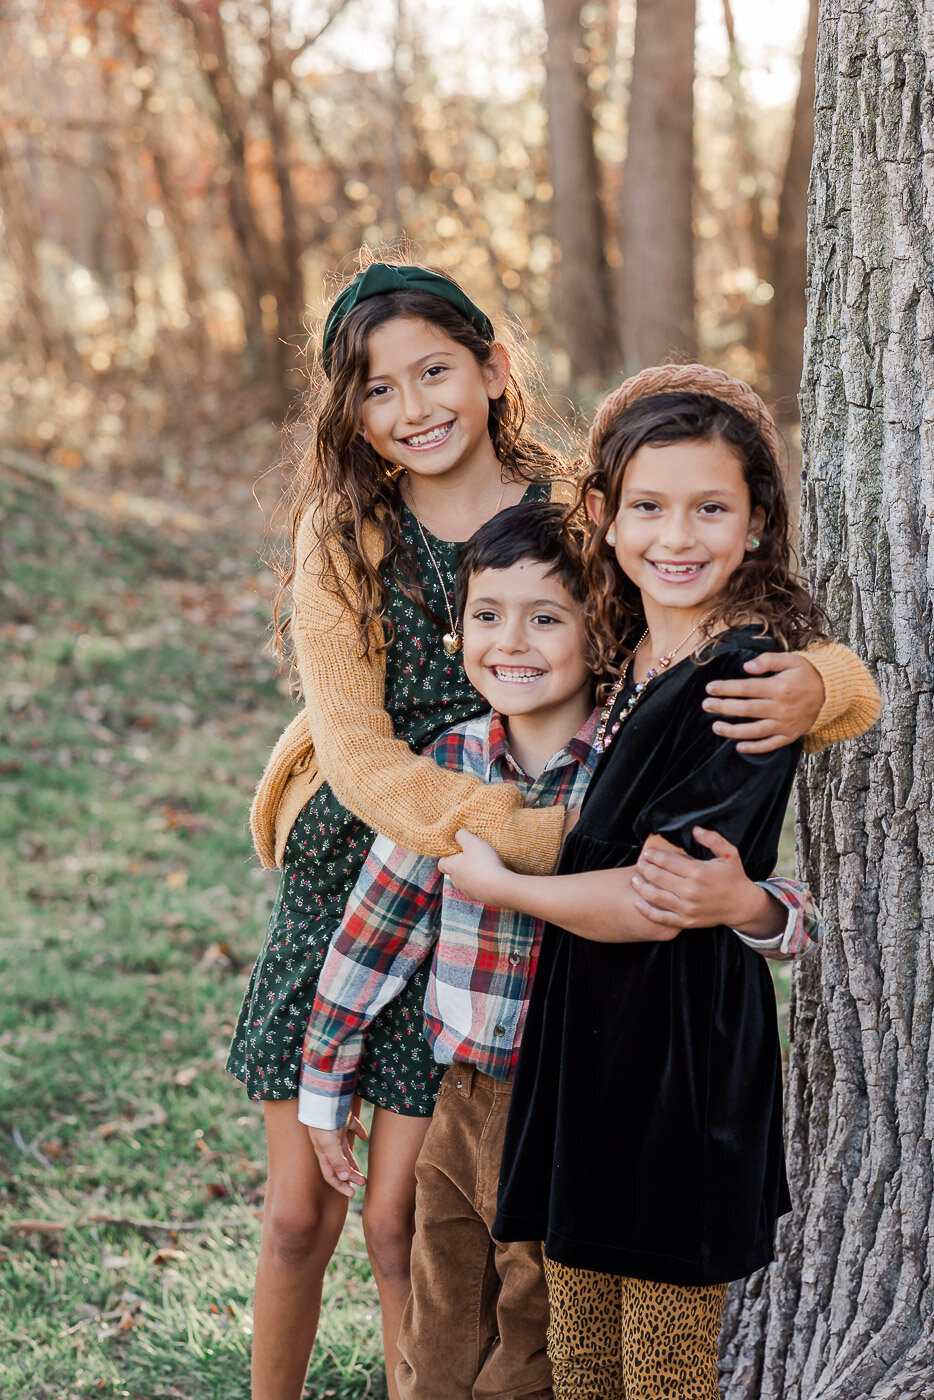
pixel 681 379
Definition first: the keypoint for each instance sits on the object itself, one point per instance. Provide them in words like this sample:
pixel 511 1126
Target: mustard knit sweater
pixel 344 736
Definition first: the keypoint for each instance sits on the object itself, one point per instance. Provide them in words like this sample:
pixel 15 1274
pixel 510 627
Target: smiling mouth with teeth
pixel 676 569
pixel 429 439
pixel 519 674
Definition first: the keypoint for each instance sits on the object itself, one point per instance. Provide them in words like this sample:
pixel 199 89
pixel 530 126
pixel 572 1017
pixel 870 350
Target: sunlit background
pixel 178 182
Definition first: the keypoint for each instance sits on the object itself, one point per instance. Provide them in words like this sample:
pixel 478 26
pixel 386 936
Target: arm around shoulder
pixel 851 700
pixel 407 797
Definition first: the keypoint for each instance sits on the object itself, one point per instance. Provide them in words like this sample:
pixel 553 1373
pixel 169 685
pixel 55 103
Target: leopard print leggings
pixel 614 1338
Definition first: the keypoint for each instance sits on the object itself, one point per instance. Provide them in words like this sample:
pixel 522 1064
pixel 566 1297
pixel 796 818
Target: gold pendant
pixel 451 643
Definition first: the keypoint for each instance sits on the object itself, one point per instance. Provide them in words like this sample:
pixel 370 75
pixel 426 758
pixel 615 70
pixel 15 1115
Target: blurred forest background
pixel 179 180
pixel 179 177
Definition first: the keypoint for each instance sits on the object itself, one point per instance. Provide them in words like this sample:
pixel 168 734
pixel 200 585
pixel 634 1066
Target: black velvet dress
pixel 645 1133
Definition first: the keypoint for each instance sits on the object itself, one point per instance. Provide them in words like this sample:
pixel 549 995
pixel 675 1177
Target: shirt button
pixel 499 1030
pixel 513 959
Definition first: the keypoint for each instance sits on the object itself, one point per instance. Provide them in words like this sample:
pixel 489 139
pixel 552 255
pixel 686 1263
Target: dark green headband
pixel 380 278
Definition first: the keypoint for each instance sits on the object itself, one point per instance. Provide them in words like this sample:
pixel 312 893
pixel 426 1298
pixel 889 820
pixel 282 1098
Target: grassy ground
pixel 137 708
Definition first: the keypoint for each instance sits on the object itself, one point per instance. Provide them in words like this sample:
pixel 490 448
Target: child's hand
pixel 674 889
pixel 777 707
pixel 476 870
pixel 334 1150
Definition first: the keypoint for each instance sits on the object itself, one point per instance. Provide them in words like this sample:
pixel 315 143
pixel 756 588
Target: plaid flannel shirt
pixel 402 909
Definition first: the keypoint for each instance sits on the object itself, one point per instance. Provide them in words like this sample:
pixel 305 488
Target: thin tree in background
pixel 789 249
pixel 658 184
pixel 583 284
pixel 847 1311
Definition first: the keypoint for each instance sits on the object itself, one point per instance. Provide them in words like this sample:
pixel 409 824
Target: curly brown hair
pixel 764 588
pixel 347 485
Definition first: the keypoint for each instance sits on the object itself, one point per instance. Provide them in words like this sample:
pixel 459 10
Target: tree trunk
pixel 583 287
pixel 745 217
pixel 847 1311
pixel 257 256
pixel 42 339
pixel 658 184
pixel 789 256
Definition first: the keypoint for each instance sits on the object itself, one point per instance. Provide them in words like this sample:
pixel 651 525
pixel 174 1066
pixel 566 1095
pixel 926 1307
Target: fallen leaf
pixel 215 955
pixel 154 1117
pixel 184 1077
pixel 168 1255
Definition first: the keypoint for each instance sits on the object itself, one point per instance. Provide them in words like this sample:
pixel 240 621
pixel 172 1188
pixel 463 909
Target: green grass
pixel 137 708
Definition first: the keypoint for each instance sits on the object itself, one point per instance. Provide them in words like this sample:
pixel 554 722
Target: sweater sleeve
pixel 403 795
pixel 851 700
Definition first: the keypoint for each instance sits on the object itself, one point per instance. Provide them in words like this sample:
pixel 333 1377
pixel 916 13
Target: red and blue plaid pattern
pixel 402 910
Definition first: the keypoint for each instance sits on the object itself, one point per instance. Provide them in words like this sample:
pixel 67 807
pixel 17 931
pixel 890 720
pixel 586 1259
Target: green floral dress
pixel 426 692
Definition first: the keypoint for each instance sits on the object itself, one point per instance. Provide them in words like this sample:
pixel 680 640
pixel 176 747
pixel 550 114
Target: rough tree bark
pixel 847 1311
pixel 658 186
pixel 789 248
pixel 583 285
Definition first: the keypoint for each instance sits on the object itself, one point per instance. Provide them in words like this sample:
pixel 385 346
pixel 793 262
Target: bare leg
pixel 389 1219
pixel 302 1222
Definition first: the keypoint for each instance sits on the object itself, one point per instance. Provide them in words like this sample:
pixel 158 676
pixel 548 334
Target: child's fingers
pixel 356 1129
pixel 770 661
pixel 335 1168
pixel 658 885
pixel 748 709
pixel 752 730
pixel 665 918
pixel 355 1175
pixel 755 688
pixel 777 741
pixel 347 1145
pixel 674 863
pixel 661 901
pixel 719 845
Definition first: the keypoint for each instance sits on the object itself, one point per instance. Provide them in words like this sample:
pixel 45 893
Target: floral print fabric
pixel 426 692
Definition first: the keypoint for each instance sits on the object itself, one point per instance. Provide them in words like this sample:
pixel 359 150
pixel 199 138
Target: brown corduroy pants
pixel 475 1325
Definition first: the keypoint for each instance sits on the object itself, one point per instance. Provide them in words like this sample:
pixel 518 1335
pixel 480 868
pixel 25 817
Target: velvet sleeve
pixel 704 781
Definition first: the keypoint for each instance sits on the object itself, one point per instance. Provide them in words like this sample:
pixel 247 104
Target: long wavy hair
pixel 764 589
pixel 346 485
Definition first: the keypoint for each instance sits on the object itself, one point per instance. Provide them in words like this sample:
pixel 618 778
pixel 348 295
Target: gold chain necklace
pixel 452 640
pixel 603 739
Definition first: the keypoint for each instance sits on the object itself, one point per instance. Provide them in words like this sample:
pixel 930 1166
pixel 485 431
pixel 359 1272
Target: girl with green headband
pixel 418 435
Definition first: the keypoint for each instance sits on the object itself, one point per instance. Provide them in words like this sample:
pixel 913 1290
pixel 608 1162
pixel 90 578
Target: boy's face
pixel 524 640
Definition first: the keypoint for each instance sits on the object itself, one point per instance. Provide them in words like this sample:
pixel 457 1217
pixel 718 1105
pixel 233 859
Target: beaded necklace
pixel 604 739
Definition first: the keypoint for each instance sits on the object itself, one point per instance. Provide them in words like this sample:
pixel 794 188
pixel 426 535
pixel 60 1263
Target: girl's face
pixel 426 400
pixel 684 523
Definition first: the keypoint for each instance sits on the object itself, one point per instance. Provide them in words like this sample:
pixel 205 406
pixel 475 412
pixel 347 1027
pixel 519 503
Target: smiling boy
pixel 475 1324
